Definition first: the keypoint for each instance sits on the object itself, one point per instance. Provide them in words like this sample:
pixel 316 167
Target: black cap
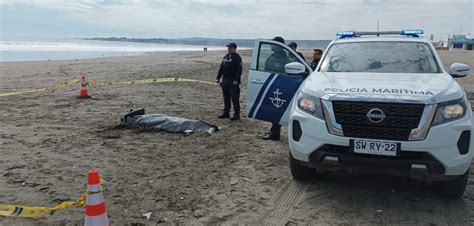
pixel 279 39
pixel 293 44
pixel 232 44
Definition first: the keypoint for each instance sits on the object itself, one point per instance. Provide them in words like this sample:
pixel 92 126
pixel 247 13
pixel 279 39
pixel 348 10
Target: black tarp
pixel 160 122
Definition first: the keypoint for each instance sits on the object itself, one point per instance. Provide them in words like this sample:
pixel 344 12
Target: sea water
pixel 38 49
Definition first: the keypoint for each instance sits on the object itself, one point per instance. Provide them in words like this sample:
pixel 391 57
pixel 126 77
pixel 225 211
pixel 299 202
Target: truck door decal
pixel 260 94
pixel 277 98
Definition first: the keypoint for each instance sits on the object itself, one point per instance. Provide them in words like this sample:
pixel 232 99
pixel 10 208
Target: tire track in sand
pixel 284 203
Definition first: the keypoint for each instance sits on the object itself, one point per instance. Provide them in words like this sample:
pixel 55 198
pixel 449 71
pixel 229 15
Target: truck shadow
pixel 346 198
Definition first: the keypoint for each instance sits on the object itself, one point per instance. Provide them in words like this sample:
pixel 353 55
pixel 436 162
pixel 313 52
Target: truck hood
pixel 396 87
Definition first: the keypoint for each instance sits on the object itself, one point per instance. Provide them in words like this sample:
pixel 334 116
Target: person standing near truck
pixel 228 77
pixel 276 63
pixel 316 58
pixel 294 47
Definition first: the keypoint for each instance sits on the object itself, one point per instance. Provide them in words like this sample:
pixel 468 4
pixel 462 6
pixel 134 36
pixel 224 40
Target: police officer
pixel 230 71
pixel 316 58
pixel 276 63
pixel 279 58
pixel 294 46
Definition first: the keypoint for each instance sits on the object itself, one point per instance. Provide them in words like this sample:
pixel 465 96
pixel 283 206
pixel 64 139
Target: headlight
pixel 311 105
pixel 449 111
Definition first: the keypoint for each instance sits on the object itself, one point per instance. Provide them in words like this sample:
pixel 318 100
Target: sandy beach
pixel 49 140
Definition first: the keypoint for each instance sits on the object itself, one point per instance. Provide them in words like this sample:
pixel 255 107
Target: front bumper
pixel 438 155
pixel 410 164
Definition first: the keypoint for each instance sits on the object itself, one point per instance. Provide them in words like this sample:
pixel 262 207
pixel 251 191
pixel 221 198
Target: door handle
pixel 257 81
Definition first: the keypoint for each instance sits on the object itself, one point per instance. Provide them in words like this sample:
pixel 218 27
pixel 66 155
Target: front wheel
pixel 454 188
pixel 299 171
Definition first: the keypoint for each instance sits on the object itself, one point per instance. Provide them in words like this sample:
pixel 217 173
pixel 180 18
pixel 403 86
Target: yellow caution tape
pixel 35 212
pixel 149 81
pixel 97 84
pixel 23 92
pixel 63 84
pixel 38 90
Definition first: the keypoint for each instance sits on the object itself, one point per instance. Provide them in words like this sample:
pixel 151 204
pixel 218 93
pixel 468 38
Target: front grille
pixel 399 119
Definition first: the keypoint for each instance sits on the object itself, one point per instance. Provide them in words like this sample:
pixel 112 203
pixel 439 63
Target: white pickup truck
pixel 378 102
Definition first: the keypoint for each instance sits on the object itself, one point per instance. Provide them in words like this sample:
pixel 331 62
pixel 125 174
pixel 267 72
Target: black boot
pixel 274 133
pixel 236 116
pixel 270 137
pixel 224 115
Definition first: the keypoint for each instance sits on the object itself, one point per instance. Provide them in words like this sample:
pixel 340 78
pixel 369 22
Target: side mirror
pixel 295 68
pixel 458 70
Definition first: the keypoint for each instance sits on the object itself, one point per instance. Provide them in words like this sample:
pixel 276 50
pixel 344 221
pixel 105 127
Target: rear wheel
pixel 454 188
pixel 299 171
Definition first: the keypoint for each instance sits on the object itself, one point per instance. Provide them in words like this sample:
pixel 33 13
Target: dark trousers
pixel 231 93
pixel 275 130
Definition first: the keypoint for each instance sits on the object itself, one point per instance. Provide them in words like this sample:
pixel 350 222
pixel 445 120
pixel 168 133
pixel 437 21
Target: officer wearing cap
pixel 294 46
pixel 228 76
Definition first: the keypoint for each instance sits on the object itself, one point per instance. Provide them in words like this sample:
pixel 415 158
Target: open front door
pixel 270 87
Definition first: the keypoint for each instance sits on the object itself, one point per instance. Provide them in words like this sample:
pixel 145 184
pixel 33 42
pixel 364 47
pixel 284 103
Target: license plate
pixel 375 147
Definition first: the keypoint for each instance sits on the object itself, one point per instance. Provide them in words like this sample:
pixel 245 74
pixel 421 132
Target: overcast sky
pixel 292 19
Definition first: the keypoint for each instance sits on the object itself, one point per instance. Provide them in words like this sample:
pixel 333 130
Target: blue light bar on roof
pixel 345 34
pixel 413 33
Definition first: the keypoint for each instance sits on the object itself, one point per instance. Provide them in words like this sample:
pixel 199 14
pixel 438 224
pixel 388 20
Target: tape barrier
pixel 149 81
pixel 35 212
pixel 23 92
pixel 99 84
pixel 38 90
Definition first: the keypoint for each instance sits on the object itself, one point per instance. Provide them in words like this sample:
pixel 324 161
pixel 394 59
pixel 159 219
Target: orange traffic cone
pixel 96 213
pixel 83 94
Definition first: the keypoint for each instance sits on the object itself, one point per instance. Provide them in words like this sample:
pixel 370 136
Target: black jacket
pixel 231 67
pixel 314 64
pixel 301 55
pixel 294 59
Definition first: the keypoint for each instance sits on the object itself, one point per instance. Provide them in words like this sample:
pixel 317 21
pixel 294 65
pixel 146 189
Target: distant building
pixel 461 42
pixel 440 45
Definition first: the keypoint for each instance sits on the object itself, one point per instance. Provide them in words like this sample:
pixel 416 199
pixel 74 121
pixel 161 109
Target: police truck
pixel 378 102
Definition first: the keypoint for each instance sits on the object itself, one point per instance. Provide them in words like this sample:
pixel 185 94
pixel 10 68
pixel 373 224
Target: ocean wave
pixel 85 46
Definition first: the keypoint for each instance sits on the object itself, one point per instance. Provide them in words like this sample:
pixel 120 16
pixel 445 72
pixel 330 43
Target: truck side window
pixel 273 58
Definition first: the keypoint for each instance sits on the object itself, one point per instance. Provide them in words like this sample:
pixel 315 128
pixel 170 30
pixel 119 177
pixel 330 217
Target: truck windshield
pixel 380 57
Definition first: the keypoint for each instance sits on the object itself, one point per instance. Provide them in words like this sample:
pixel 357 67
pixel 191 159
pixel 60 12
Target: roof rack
pixel 350 34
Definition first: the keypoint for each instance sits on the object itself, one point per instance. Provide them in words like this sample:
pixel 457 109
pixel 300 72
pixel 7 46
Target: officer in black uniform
pixel 294 47
pixel 316 58
pixel 230 71
pixel 276 63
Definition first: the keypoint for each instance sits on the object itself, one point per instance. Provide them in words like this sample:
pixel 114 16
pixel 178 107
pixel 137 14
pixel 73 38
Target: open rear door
pixel 270 88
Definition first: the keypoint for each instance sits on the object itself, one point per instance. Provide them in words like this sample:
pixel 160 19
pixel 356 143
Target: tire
pixel 300 172
pixel 452 189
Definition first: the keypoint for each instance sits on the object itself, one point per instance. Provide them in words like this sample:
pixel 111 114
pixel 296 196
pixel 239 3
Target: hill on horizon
pixel 211 41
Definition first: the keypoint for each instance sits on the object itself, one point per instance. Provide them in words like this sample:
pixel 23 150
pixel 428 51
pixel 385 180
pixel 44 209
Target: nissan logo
pixel 375 115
